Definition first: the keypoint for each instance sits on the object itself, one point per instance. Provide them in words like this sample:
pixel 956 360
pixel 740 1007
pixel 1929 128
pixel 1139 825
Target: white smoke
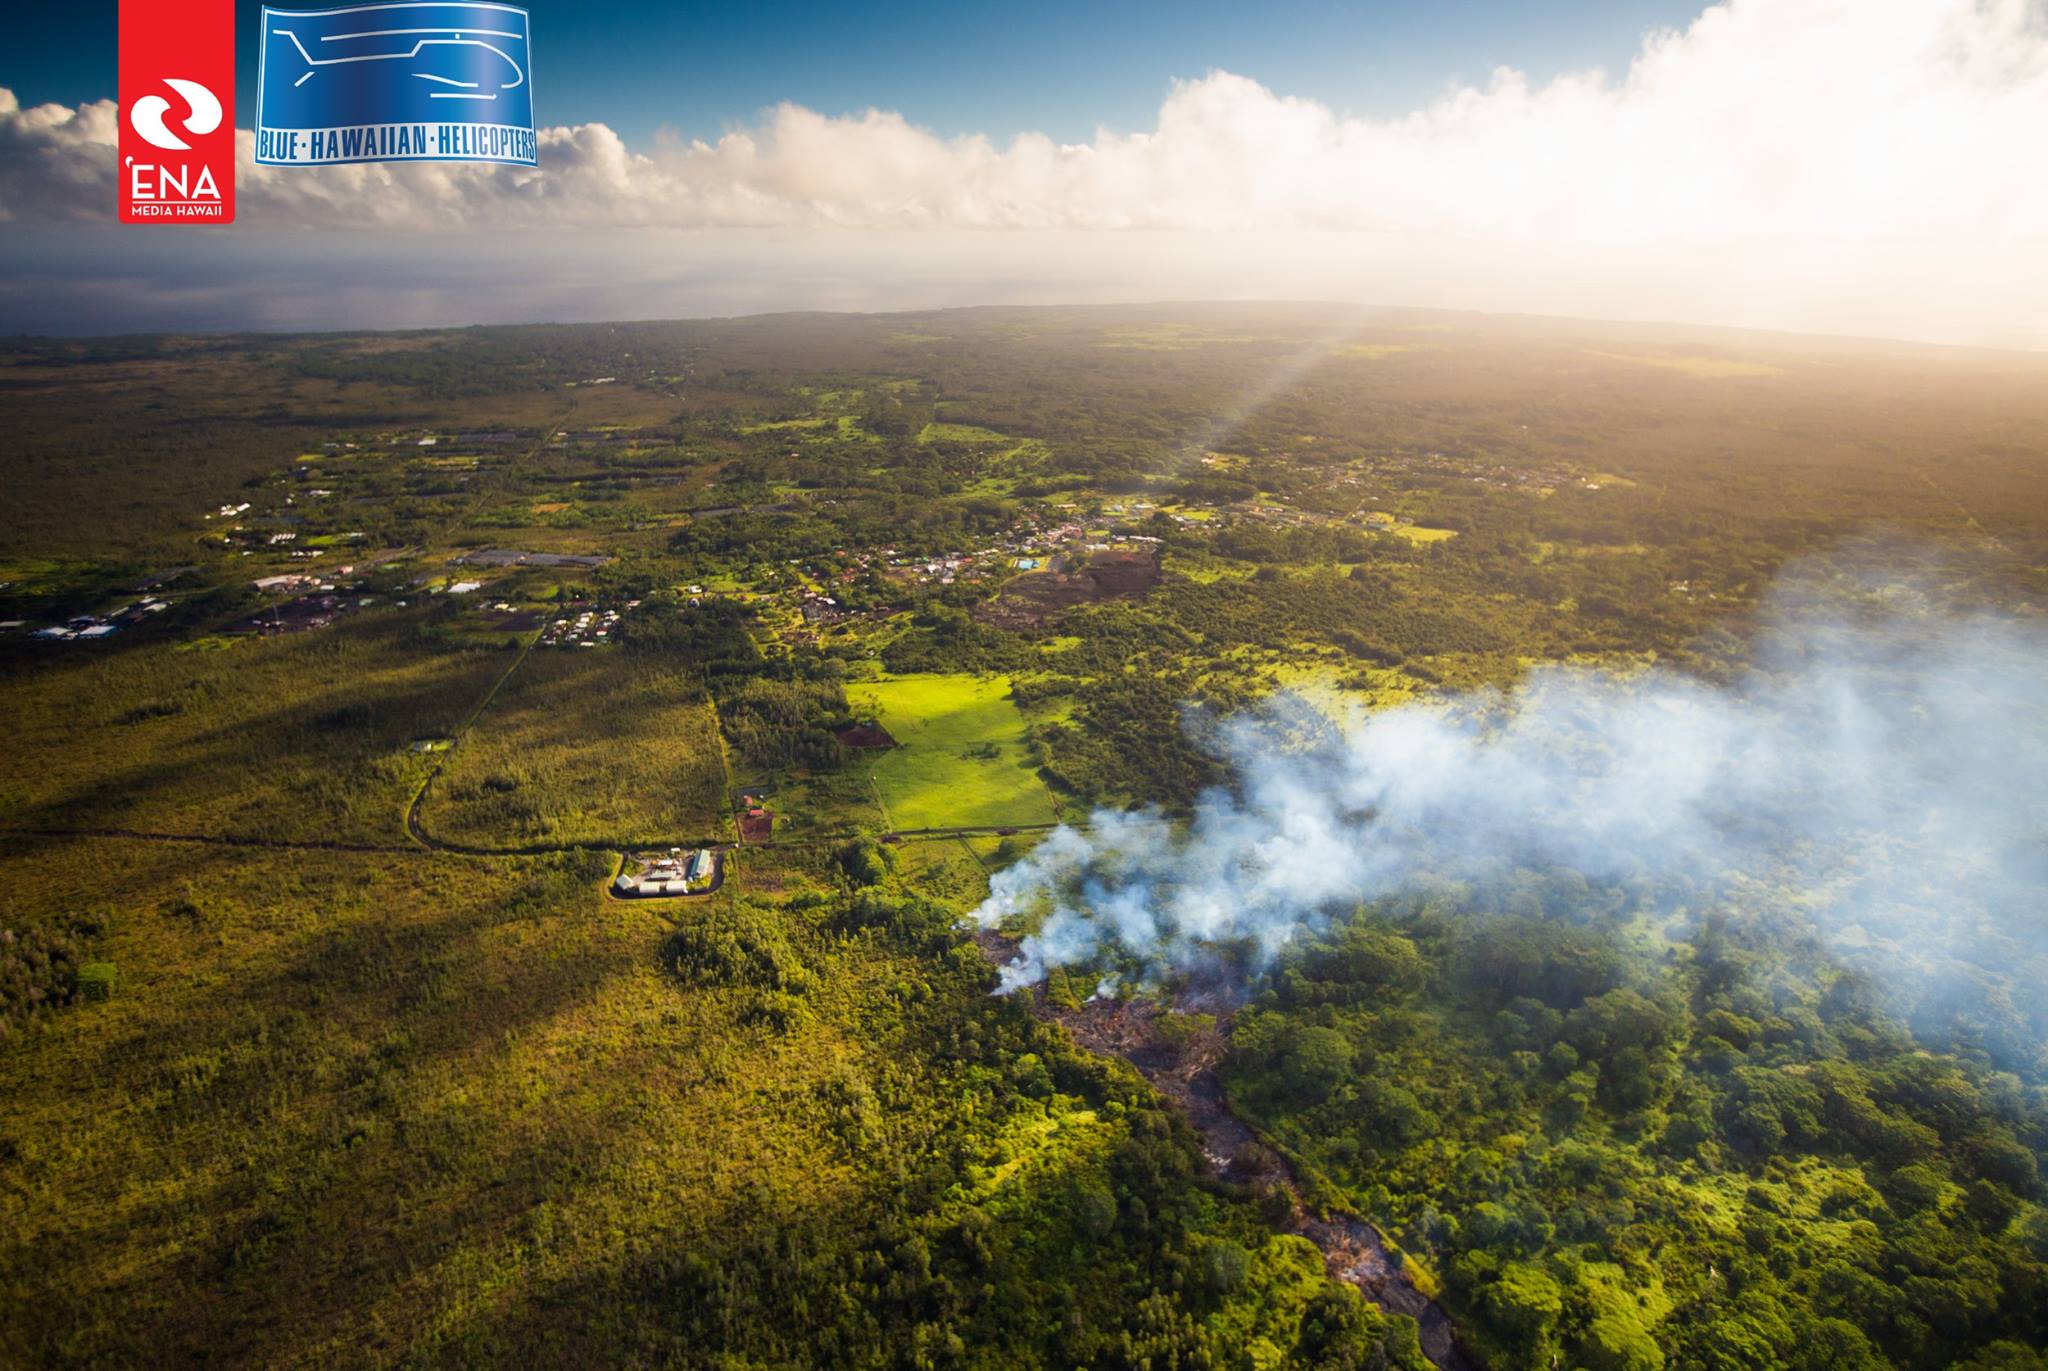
pixel 1878 764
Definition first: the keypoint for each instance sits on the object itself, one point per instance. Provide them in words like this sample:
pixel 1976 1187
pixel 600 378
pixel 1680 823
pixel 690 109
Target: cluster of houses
pixel 296 616
pixel 1029 545
pixel 1544 480
pixel 315 602
pixel 590 628
pixel 298 582
pixel 92 627
pixel 263 534
pixel 673 874
pixel 471 441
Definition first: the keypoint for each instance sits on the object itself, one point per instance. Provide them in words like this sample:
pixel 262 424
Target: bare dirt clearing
pixel 1038 597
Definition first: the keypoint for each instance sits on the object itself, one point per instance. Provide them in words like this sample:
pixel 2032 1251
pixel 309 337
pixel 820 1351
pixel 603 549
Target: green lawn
pixel 961 758
pixel 961 433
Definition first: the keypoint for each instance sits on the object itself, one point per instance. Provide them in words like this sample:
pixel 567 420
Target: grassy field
pixel 1416 533
pixel 303 736
pixel 961 433
pixel 599 746
pixel 961 759
pixel 809 805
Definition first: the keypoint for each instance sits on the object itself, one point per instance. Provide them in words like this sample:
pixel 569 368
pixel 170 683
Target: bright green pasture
pixel 960 433
pixel 961 759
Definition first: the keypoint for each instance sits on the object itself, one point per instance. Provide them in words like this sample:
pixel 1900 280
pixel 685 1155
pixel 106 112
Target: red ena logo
pixel 177 129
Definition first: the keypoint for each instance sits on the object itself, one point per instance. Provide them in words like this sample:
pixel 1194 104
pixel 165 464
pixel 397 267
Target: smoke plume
pixel 1876 762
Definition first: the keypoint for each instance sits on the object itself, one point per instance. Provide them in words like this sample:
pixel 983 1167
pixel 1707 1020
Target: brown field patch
pixel 1037 597
pixel 865 736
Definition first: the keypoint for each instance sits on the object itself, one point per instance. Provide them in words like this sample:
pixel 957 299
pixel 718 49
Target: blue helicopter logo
pixel 417 62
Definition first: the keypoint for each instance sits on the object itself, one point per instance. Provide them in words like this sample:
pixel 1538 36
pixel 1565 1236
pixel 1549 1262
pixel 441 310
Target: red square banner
pixel 177 137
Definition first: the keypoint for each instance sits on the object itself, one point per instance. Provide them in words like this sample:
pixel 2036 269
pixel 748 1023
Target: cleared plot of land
pixel 811 804
pixel 597 747
pixel 1416 533
pixel 1038 596
pixel 961 759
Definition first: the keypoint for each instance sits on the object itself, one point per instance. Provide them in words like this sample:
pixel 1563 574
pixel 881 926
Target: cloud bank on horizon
pixel 1887 148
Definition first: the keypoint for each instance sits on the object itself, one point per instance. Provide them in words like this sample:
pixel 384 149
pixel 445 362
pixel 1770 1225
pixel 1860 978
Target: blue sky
pixel 1060 68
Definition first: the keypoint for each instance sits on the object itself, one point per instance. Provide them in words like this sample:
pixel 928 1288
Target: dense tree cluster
pixel 39 972
pixel 1732 1157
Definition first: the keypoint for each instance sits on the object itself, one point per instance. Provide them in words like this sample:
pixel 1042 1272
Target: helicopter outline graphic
pixel 397 80
pixel 456 40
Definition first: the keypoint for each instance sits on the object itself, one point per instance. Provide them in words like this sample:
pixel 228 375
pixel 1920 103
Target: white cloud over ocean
pixel 1811 153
